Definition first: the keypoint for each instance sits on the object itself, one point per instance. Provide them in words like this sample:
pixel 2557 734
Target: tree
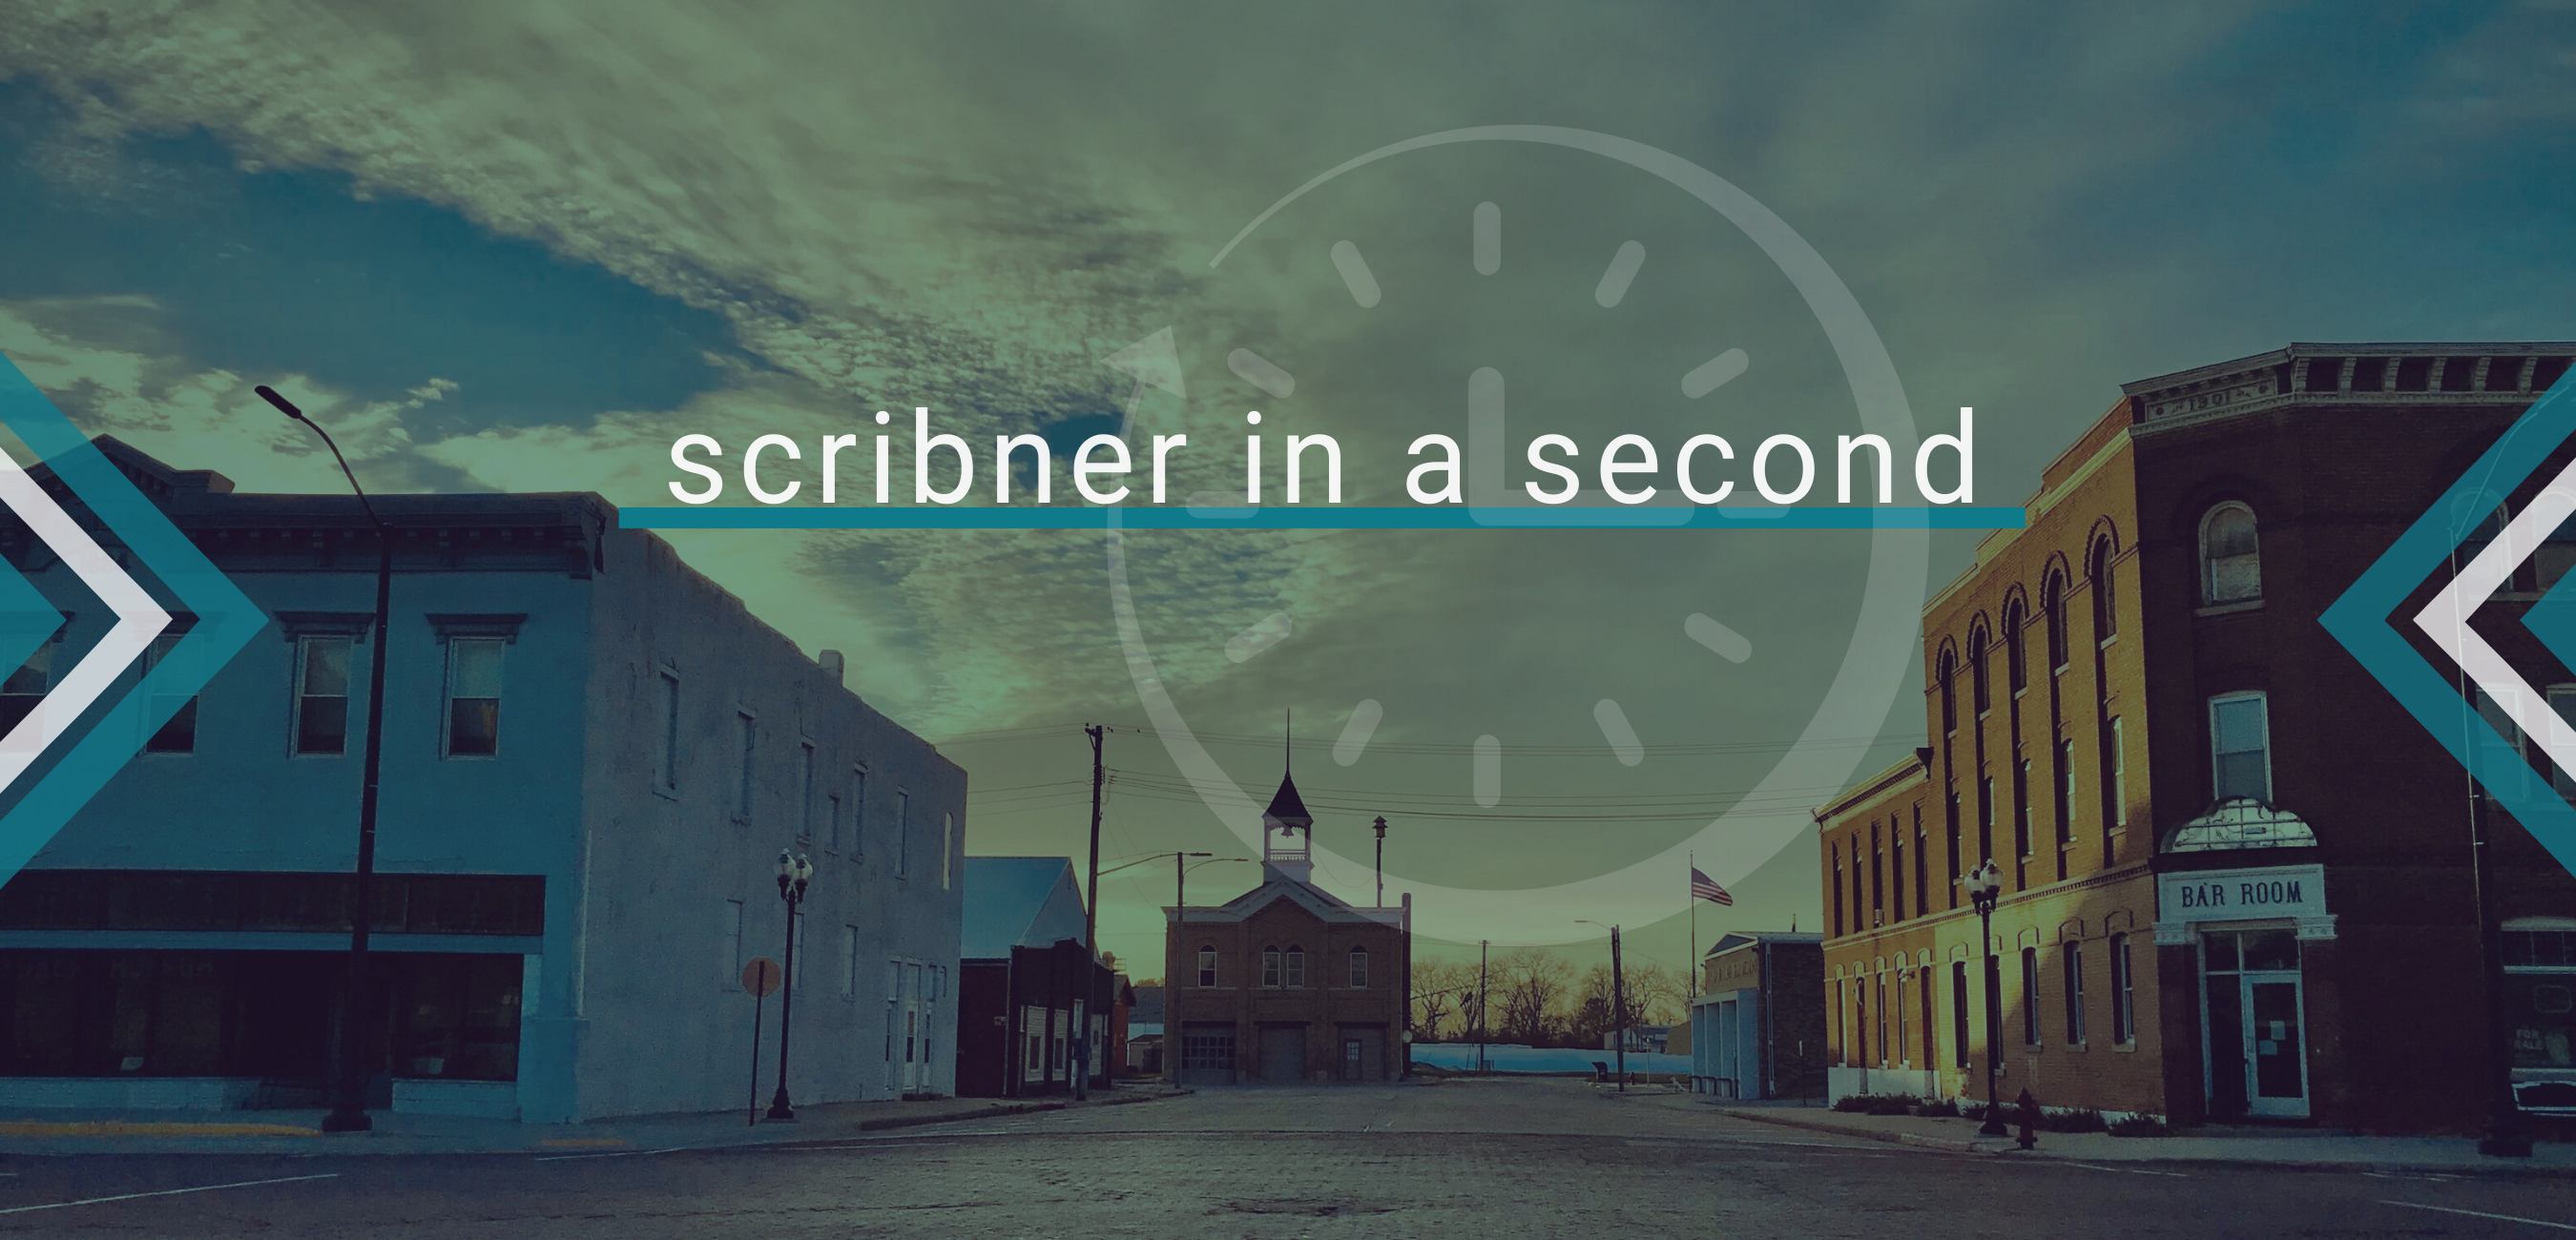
pixel 1657 995
pixel 1533 985
pixel 1442 991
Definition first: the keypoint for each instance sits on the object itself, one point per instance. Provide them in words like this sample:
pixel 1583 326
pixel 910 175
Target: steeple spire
pixel 1287 829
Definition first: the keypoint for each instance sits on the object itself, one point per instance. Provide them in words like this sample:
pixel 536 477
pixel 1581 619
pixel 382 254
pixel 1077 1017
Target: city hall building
pixel 2237 875
pixel 592 758
pixel 1287 983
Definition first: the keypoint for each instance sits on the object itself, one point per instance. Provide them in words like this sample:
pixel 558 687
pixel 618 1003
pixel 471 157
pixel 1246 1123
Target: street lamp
pixel 1380 824
pixel 349 1090
pixel 1618 1001
pixel 1985 885
pixel 794 871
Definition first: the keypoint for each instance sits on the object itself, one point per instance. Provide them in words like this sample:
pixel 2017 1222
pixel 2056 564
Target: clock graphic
pixel 1644 608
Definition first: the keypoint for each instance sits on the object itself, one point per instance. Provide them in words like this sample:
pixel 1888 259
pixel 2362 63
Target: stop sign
pixel 761 977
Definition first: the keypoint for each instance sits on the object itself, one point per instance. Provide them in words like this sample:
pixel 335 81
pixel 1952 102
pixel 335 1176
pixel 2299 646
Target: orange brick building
pixel 2222 844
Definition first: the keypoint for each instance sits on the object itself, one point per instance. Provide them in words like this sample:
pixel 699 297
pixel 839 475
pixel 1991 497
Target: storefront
pixel 2245 926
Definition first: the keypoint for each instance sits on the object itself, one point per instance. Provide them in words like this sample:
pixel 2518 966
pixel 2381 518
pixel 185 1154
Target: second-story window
pixel 2106 609
pixel 2231 565
pixel 1270 967
pixel 1207 966
pixel 805 790
pixel 1945 670
pixel 2240 745
pixel 321 694
pixel 748 780
pixel 1295 967
pixel 179 733
pixel 902 834
pixel 474 696
pixel 667 772
pixel 1359 968
pixel 1980 692
pixel 2016 625
pixel 2052 606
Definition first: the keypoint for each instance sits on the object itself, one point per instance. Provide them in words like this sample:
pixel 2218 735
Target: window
pixel 1922 866
pixel 1896 868
pixel 1959 1010
pixel 1210 1050
pixel 2075 994
pixel 321 694
pixel 2021 809
pixel 1838 888
pixel 2115 775
pixel 179 733
pixel 1985 818
pixel 902 834
pixel 1296 970
pixel 1885 1049
pixel 2052 605
pixel 2064 798
pixel 749 778
pixel 2030 1032
pixel 2016 625
pixel 2240 747
pixel 2557 554
pixel 1840 1029
pixel 26 686
pixel 1359 968
pixel 1950 817
pixel 1860 1023
pixel 2501 766
pixel 2231 567
pixel 2562 702
pixel 668 773
pixel 2124 1012
pixel 947 849
pixel 805 791
pixel 2106 611
pixel 849 962
pixel 474 696
pixel 859 811
pixel 1207 966
pixel 729 945
pixel 1978 690
pixel 1270 967
pixel 1946 670
pixel 1877 877
pixel 832 821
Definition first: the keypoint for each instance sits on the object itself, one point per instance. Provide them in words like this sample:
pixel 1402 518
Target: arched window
pixel 2052 606
pixel 2016 621
pixel 2106 612
pixel 1207 966
pixel 1296 973
pixel 1359 968
pixel 2231 569
pixel 1978 640
pixel 1945 669
pixel 1270 967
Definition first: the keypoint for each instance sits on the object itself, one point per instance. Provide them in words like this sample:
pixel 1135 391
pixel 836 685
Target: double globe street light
pixel 1985 886
pixel 794 872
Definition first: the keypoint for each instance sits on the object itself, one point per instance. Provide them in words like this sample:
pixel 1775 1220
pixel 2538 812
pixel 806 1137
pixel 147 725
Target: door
pixel 1354 1060
pixel 2254 1024
pixel 1283 1054
pixel 2277 1051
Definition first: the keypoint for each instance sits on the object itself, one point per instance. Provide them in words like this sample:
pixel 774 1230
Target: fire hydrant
pixel 2029 1119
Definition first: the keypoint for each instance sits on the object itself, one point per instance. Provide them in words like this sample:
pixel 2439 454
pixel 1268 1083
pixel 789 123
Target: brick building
pixel 1286 982
pixel 2223 845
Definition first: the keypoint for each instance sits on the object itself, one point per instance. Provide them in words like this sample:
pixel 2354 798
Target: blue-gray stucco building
pixel 593 756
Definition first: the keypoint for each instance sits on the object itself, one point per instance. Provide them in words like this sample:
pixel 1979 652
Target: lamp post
pixel 1618 1002
pixel 1985 886
pixel 349 1089
pixel 794 872
pixel 1380 824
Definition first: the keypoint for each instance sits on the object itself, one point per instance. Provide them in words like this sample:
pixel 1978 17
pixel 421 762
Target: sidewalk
pixel 300 1132
pixel 2215 1146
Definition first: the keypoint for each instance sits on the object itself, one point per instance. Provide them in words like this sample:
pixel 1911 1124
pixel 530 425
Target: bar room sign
pixel 2242 895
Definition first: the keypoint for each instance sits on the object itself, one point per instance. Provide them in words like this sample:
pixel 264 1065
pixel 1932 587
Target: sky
pixel 525 246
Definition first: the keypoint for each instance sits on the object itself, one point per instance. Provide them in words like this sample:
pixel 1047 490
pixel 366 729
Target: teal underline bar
pixel 789 517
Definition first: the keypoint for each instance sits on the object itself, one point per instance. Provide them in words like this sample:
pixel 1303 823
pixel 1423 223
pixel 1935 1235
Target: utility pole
pixel 1483 946
pixel 1381 860
pixel 1090 922
pixel 1619 1007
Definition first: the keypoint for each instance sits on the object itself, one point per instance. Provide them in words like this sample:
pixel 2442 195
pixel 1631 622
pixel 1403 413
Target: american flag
pixel 1705 888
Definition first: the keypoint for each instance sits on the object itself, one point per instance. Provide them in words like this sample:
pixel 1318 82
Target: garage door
pixel 1283 1053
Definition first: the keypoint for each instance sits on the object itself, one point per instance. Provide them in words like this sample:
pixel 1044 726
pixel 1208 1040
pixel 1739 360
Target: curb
pixel 2002 1147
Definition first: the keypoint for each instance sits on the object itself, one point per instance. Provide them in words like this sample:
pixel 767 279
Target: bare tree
pixel 1657 995
pixel 1441 988
pixel 1534 989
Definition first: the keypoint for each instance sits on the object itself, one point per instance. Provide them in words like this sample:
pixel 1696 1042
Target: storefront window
pixel 2540 997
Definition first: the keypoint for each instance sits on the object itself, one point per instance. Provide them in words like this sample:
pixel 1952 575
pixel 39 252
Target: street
pixel 1479 1158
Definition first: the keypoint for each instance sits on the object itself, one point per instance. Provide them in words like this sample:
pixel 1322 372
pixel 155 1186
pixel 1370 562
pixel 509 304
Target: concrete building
pixel 1286 982
pixel 1757 1027
pixel 2220 838
pixel 1028 987
pixel 592 758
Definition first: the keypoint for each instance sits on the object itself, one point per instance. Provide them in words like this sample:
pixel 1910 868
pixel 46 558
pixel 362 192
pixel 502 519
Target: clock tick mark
pixel 1264 633
pixel 1616 730
pixel 1256 370
pixel 1489 238
pixel 1714 373
pixel 1623 268
pixel 1355 734
pixel 1730 645
pixel 1489 771
pixel 1355 273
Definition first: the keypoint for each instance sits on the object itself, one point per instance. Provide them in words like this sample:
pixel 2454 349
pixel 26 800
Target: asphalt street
pixel 1480 1159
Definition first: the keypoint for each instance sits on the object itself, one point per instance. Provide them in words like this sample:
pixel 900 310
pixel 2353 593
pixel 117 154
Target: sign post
pixel 761 978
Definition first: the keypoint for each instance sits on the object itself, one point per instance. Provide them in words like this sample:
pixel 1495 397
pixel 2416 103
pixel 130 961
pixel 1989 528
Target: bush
pixel 1877 1104
pixel 2070 1121
pixel 1937 1108
pixel 2140 1125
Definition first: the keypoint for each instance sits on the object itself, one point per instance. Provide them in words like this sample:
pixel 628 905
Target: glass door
pixel 2253 1025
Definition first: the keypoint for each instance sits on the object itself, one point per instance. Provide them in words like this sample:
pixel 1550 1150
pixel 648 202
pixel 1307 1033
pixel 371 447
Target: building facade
pixel 1028 988
pixel 1287 983
pixel 592 758
pixel 1757 1027
pixel 2218 835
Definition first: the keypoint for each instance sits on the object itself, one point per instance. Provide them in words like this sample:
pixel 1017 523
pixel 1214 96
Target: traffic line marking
pixel 2130 1170
pixel 168 1192
pixel 2509 1218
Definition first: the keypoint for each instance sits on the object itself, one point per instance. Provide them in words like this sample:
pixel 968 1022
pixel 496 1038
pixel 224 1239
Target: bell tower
pixel 1287 833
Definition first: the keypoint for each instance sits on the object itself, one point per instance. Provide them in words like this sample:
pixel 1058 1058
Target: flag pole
pixel 1694 918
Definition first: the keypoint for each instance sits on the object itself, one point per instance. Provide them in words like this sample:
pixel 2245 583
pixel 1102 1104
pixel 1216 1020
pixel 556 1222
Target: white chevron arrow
pixel 138 621
pixel 2446 618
